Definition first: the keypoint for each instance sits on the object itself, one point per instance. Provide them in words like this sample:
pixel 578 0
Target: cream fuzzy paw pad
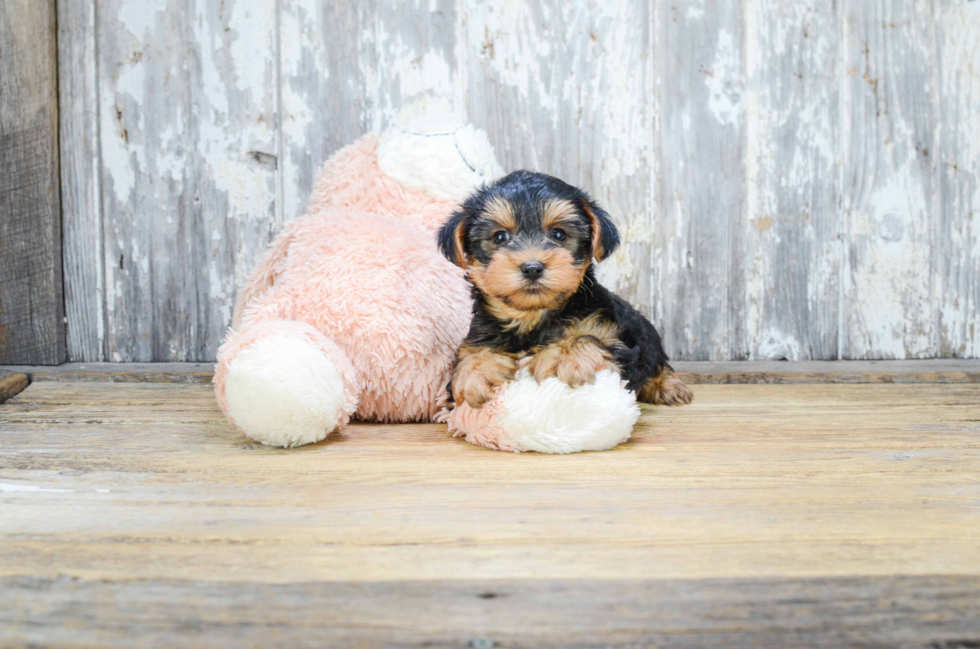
pixel 550 417
pixel 284 389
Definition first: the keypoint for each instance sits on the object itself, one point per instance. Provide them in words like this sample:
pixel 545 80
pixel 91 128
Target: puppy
pixel 527 243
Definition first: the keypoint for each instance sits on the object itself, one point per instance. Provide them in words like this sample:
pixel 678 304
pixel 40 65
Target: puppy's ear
pixel 452 238
pixel 605 236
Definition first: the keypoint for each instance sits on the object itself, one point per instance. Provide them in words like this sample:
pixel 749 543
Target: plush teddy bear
pixel 353 312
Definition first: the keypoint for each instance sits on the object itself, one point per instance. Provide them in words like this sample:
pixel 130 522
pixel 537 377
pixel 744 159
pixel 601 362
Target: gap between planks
pixel 694 372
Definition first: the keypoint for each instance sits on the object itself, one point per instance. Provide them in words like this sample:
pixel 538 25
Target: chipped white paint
pixel 789 252
pixel 958 244
pixel 723 80
pixel 140 17
pixel 890 186
pixel 791 179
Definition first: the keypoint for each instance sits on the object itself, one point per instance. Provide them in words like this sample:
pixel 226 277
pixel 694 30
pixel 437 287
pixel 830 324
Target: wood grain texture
pixel 838 513
pixel 567 88
pixel 702 178
pixel 790 250
pixel 884 612
pixel 349 68
pixel 766 162
pixel 188 135
pixel 80 180
pixel 958 237
pixel 31 306
pixel 147 481
pixel 120 372
pixel 890 183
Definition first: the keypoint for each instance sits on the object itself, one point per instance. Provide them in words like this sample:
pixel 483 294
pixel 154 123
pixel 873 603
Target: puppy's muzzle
pixel 532 270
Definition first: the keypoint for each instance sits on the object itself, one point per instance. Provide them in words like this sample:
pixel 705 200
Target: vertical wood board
pixel 958 239
pixel 790 251
pixel 702 179
pixel 188 118
pixel 80 174
pixel 889 181
pixel 32 327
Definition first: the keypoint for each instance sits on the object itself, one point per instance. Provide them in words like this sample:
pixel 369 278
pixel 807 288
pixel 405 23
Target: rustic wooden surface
pixel 957 258
pixel 81 208
pixel 702 180
pixel 890 186
pixel 790 254
pixel 188 137
pixel 824 613
pixel 793 180
pixel 763 515
pixel 696 372
pixel 32 326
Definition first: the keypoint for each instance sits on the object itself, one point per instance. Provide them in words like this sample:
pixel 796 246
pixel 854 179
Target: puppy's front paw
pixel 666 389
pixel 478 373
pixel 574 362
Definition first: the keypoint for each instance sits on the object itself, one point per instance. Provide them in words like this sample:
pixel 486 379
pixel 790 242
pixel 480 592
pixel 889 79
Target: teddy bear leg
pixel 549 416
pixel 283 383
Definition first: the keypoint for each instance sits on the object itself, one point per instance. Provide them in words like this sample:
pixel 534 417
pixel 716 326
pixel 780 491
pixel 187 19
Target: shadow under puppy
pixel 527 243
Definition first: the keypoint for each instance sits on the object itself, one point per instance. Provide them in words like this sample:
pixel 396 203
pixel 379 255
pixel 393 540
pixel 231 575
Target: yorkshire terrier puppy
pixel 527 243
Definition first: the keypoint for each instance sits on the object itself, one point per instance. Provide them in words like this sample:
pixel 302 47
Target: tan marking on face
pixel 501 212
pixel 556 213
pixel 501 279
pixel 479 371
pixel 459 244
pixel 665 389
pixel 523 321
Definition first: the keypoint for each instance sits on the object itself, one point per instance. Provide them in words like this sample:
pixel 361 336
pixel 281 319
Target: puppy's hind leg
pixel 665 389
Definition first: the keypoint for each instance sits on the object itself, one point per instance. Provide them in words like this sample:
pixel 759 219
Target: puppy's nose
pixel 532 270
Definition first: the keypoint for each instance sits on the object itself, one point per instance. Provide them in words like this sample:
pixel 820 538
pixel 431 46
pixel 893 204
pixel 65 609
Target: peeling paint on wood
pixel 790 256
pixel 958 239
pixel 702 180
pixel 186 92
pixel 348 68
pixel 889 192
pixel 792 180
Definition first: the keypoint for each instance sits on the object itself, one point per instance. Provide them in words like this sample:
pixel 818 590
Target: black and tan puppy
pixel 527 243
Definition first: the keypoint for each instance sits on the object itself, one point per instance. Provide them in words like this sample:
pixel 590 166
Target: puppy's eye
pixel 558 235
pixel 501 237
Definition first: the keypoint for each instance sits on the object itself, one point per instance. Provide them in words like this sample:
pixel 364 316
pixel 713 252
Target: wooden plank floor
pixel 763 515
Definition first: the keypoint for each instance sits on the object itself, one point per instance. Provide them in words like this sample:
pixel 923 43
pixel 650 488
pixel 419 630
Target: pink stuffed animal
pixel 354 312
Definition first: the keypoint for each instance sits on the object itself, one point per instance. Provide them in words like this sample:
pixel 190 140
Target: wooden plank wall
pixel 31 305
pixel 792 179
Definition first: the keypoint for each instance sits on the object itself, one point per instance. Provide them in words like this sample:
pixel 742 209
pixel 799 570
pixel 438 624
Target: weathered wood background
pixel 32 318
pixel 793 179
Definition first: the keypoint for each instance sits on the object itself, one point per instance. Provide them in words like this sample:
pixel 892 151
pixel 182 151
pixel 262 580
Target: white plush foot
pixel 283 390
pixel 550 417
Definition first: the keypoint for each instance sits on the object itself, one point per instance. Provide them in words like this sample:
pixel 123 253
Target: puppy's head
pixel 527 239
